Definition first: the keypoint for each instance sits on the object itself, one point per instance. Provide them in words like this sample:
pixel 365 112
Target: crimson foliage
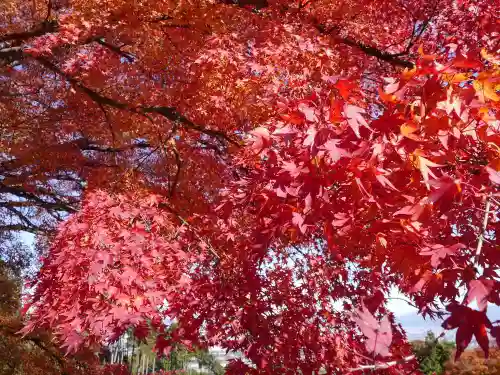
pixel 264 172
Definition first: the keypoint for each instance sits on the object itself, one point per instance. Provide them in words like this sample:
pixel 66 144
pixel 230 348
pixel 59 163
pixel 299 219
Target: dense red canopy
pixel 264 172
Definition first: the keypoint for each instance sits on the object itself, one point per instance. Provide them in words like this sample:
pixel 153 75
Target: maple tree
pixel 262 171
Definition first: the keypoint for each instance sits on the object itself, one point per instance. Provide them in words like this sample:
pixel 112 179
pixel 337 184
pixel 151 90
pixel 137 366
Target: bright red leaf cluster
pixel 261 171
pixel 112 266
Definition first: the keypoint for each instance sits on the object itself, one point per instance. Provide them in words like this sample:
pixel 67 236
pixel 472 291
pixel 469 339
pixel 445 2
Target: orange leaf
pixel 491 58
pixel 385 97
pixel 423 56
pixel 407 130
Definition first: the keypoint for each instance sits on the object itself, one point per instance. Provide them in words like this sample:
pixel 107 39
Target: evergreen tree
pixel 432 354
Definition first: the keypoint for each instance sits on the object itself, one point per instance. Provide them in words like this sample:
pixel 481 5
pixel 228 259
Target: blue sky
pixel 416 327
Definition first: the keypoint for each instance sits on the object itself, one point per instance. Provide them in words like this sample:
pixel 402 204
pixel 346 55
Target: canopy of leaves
pixel 262 171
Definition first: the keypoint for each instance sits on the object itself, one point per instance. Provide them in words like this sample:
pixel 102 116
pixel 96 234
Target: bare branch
pixel 19 228
pixel 184 222
pixel 45 27
pixel 169 113
pixel 114 48
pixel 379 366
pixel 483 230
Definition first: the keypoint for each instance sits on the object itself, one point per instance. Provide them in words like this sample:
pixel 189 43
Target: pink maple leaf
pixel 262 138
pixel 335 153
pixel 378 333
pixel 494 175
pixel 293 169
pixel 479 290
pixel 438 252
pixel 298 220
pixel 309 112
pixel 355 118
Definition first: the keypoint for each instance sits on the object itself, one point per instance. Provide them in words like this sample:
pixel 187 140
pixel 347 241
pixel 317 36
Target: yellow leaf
pixel 491 58
pixel 456 77
pixel 487 88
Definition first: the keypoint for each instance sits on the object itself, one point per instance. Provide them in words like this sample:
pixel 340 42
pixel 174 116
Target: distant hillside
pixel 416 327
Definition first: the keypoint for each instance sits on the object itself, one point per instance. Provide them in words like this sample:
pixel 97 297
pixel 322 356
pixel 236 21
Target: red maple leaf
pixel 345 87
pixel 469 323
pixel 141 331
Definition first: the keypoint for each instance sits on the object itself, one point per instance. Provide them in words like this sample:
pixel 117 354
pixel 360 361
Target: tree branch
pixel 380 366
pixel 11 53
pixel 173 115
pixel 17 191
pixel 381 55
pixel 169 113
pixel 483 230
pixel 45 27
pixel 21 217
pixel 178 162
pixel 415 35
pixel 86 145
pixel 19 228
pixel 369 50
pixel 114 48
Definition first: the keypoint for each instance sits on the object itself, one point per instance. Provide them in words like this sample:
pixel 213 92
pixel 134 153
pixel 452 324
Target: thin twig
pixel 405 300
pixel 49 10
pixel 184 221
pixel 379 366
pixel 483 230
pixel 178 162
